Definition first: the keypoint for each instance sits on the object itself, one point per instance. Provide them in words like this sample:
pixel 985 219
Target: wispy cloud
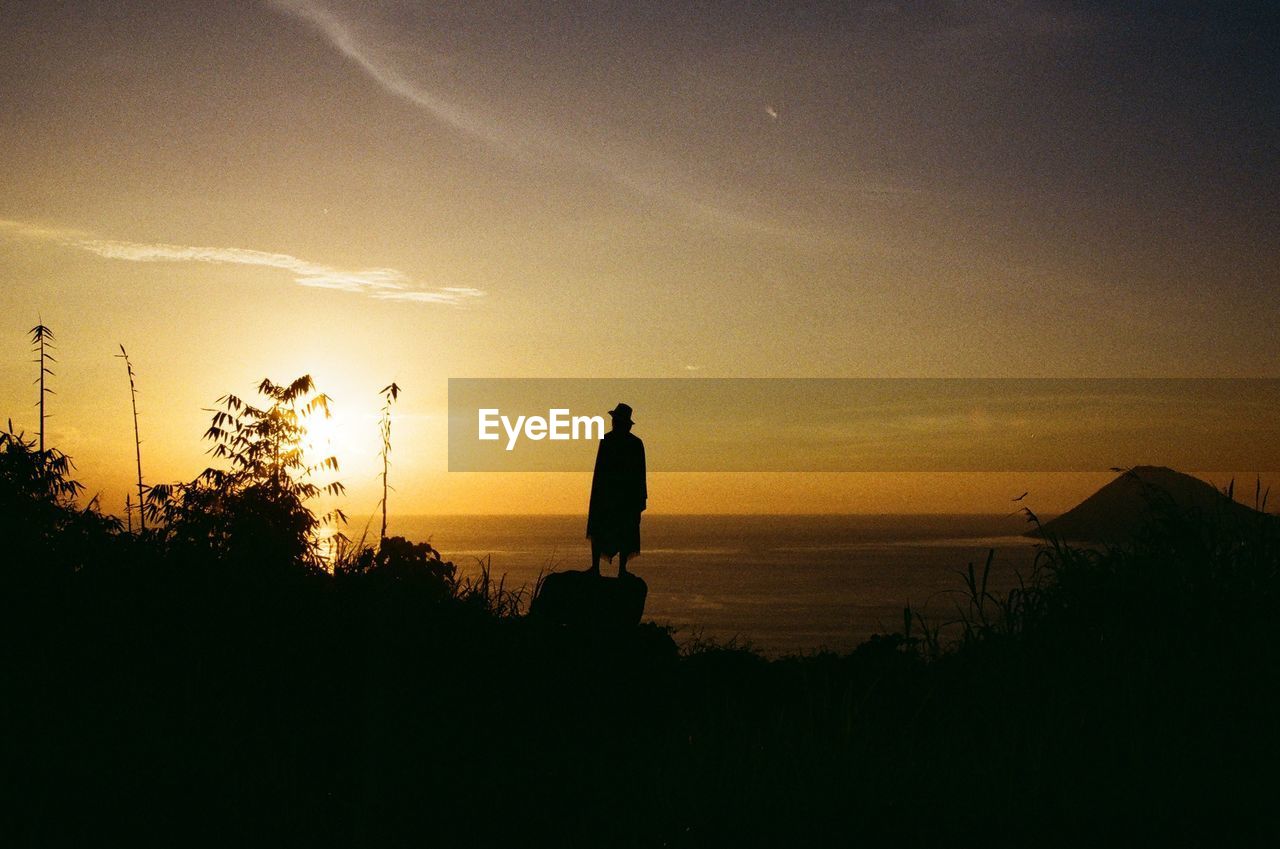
pixel 385 284
pixel 345 40
pixel 643 173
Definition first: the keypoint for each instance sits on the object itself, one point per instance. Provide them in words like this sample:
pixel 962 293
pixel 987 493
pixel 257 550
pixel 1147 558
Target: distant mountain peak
pixel 1119 511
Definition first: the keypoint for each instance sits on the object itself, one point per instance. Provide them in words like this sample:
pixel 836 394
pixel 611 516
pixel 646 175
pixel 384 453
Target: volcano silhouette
pixel 1124 508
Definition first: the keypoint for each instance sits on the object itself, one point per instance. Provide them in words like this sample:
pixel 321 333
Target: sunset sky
pixel 417 191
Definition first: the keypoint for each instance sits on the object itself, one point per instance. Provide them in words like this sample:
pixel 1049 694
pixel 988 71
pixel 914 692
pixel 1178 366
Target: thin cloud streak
pixel 384 284
pixel 340 36
pixel 661 182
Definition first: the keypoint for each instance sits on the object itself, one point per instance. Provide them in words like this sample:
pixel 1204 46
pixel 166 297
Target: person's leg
pixel 630 544
pixel 595 558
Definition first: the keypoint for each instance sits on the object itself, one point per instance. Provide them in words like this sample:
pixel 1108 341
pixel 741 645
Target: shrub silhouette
pixel 43 528
pixel 398 560
pixel 258 507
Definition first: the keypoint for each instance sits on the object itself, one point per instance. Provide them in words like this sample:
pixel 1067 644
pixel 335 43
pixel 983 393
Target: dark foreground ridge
pixel 166 689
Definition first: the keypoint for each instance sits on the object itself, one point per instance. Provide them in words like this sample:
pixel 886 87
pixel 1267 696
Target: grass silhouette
pixel 389 394
pixel 137 442
pixel 42 345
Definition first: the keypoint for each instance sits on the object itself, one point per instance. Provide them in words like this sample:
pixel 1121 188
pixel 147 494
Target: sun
pixel 327 436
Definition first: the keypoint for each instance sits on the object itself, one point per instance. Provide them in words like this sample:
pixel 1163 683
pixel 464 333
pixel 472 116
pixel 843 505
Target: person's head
pixel 621 416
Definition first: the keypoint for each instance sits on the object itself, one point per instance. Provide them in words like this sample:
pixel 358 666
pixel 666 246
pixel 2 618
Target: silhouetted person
pixel 618 494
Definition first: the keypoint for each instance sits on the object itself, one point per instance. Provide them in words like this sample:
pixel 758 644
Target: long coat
pixel 618 495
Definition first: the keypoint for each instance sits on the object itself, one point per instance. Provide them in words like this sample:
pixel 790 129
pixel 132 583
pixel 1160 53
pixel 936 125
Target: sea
pixel 783 584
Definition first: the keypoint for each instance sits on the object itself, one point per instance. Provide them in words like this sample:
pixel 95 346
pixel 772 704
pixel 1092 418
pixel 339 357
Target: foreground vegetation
pixel 210 681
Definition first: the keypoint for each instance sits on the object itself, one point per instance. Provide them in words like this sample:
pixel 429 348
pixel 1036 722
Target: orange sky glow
pixel 370 193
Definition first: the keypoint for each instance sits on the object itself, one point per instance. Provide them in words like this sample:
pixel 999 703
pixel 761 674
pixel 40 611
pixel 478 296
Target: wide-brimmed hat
pixel 622 412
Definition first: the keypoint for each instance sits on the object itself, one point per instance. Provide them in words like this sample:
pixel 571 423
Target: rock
pixel 590 600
